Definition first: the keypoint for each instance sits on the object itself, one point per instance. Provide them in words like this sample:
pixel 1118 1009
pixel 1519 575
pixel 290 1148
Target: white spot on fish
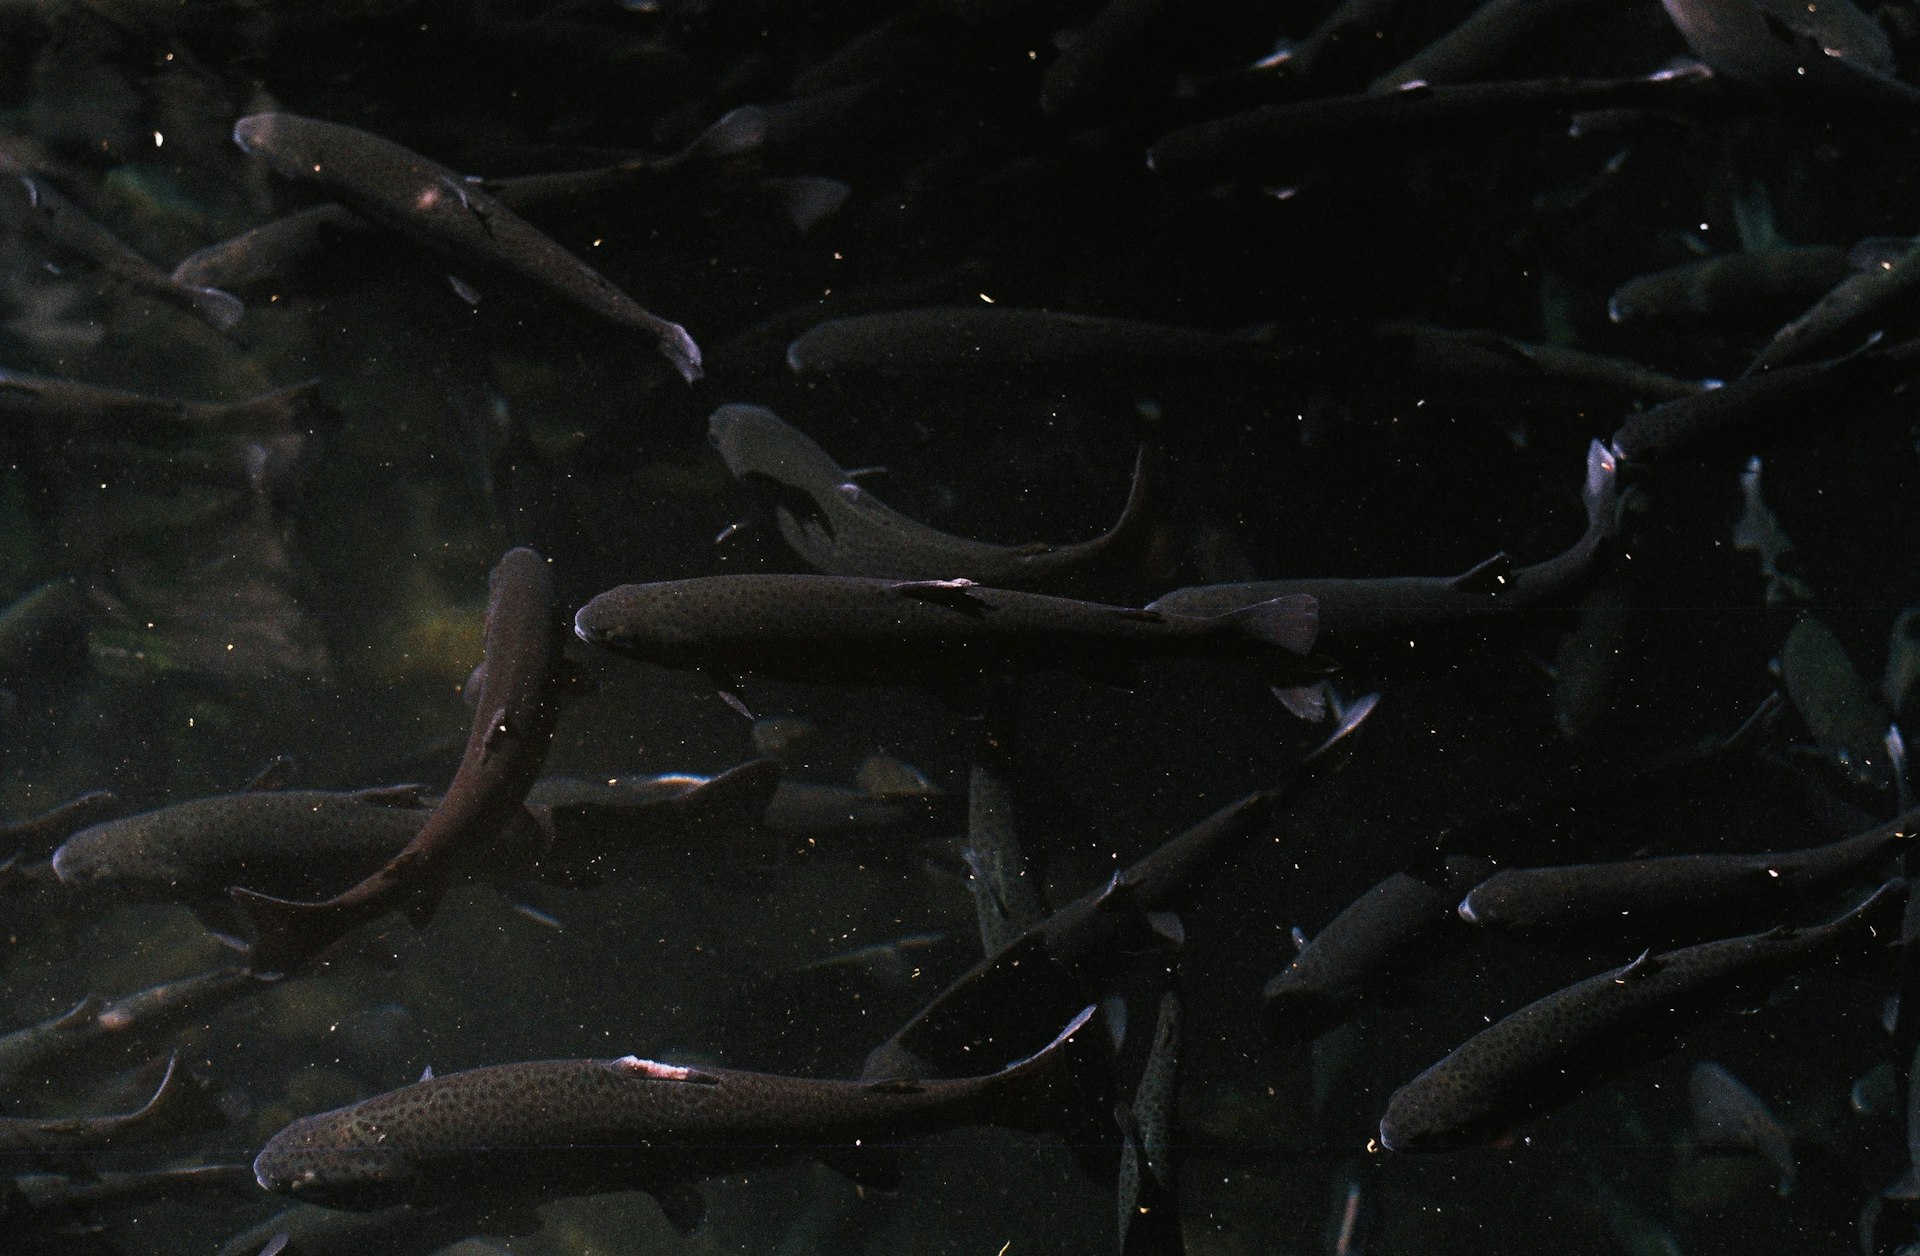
pixel 653 1069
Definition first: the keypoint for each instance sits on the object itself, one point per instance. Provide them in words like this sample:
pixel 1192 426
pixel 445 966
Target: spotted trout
pixel 422 199
pixel 571 1127
pixel 519 682
pixel 840 528
pixel 844 630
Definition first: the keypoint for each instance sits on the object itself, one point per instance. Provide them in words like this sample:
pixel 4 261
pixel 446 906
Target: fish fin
pixel 277 1244
pixel 1113 1014
pixel 222 309
pixel 677 347
pixel 274 776
pixel 1064 1086
pixel 1291 622
pixel 1303 702
pixel 1299 938
pixel 735 133
pixel 80 1013
pixel 1600 494
pixel 730 694
pixel 1118 672
pixel 285 932
pixel 1168 926
pixel 808 200
pixel 876 1168
pixel 221 918
pixel 464 290
pixel 412 794
pixel 1486 577
pixel 682 1205
pixel 896 1086
pixel 1642 965
pixel 426 1074
pixel 537 914
pixel 956 595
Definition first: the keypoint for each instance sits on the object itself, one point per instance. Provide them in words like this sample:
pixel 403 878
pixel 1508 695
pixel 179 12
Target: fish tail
pixel 1291 622
pixel 1059 1087
pixel 295 408
pixel 218 307
pixel 1601 491
pixel 678 348
pixel 181 1103
pixel 286 934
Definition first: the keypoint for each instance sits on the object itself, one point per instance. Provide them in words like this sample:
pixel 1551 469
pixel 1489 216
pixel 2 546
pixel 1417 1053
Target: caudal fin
pixel 218 307
pixel 1061 1087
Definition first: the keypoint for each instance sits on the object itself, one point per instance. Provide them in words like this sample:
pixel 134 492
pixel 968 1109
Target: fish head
pixel 107 856
pixel 337 1159
pixel 255 132
pixel 633 619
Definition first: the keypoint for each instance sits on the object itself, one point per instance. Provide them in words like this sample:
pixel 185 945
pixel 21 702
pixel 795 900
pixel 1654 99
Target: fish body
pixel 841 529
pixel 518 697
pixel 290 843
pixel 1542 1054
pixel 1379 938
pixel 1726 1113
pixel 1389 607
pixel 1073 953
pixel 179 1103
pixel 582 1126
pixel 947 337
pixel 846 630
pixel 66 404
pixel 128 1021
pixel 48 213
pixel 1746 409
pixel 1689 888
pixel 1733 286
pixel 426 201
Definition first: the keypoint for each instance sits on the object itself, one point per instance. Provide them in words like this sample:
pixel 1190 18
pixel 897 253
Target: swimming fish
pixel 1695 890
pixel 1546 1052
pixel 518 686
pixel 1389 607
pixel 947 337
pixel 845 630
pixel 180 1103
pixel 67 406
pixel 1380 938
pixel 36 206
pixel 127 1022
pixel 429 202
pixel 1074 952
pixel 1726 1113
pixel 1730 286
pixel 585 1126
pixel 841 529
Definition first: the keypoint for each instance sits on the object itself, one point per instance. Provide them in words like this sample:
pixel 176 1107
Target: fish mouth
pixel 248 130
pixel 586 630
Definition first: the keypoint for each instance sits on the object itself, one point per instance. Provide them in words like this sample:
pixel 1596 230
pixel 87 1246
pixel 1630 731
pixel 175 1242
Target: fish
pixel 1758 532
pixel 37 1202
pixel 1691 891
pixel 1149 1194
pixel 1728 1114
pixel 963 336
pixel 1487 40
pixel 45 831
pixel 1004 886
pixel 585 1126
pixel 179 1104
pixel 1276 138
pixel 1837 704
pixel 1095 64
pixel 1731 286
pixel 841 529
pixel 293 843
pixel 1754 409
pixel 127 1022
pixel 1382 937
pixel 1535 1058
pixel 586 829
pixel 849 630
pixel 1483 366
pixel 1780 43
pixel 274 251
pixel 67 406
pixel 1387 609
pixel 518 689
pixel 1071 954
pixel 1847 312
pixel 306 1230
pixel 38 207
pixel 428 202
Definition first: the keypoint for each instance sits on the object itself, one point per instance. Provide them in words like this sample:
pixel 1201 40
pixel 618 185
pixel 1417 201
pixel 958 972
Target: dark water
pixel 327 603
